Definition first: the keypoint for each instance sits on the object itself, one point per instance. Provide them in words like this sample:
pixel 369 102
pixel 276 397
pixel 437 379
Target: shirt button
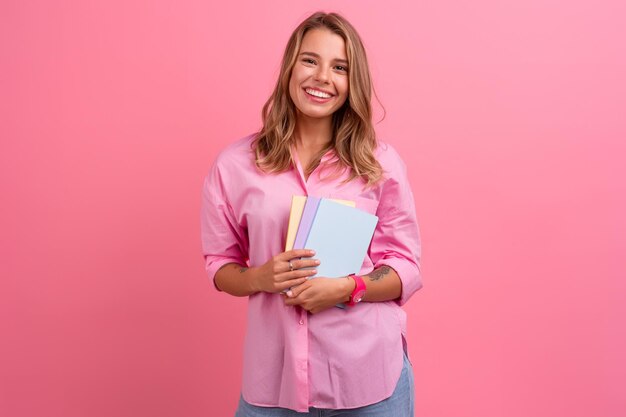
pixel 301 321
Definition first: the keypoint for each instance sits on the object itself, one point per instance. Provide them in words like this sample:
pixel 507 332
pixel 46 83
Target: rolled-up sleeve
pixel 396 241
pixel 223 240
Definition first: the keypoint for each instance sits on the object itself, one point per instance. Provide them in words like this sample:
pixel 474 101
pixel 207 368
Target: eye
pixel 342 68
pixel 308 60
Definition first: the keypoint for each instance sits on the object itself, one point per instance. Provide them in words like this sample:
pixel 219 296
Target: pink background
pixel 509 115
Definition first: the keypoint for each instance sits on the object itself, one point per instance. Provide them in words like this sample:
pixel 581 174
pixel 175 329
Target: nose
pixel 322 74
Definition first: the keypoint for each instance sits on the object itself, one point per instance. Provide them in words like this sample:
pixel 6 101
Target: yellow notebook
pixel 297 207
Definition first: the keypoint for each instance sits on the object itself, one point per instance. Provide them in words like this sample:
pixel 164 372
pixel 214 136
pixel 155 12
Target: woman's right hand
pixel 276 275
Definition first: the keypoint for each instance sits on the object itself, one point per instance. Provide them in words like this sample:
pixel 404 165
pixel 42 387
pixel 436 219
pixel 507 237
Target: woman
pixel 301 353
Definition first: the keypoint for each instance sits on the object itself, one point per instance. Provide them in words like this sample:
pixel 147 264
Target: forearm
pixel 315 295
pixel 236 280
pixel 382 284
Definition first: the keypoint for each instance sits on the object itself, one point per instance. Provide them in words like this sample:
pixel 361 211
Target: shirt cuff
pixel 409 274
pixel 214 263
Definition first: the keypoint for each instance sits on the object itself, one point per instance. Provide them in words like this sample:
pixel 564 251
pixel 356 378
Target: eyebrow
pixel 341 61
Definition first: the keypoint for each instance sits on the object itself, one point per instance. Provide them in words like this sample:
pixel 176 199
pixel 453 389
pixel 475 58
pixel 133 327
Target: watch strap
pixel 358 288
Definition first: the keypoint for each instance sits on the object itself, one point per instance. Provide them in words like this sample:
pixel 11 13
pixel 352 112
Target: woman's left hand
pixel 318 294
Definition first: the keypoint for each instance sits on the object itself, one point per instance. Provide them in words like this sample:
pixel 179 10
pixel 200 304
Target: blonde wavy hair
pixel 354 138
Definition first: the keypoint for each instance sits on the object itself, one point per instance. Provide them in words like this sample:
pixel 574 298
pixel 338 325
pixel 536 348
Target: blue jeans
pixel 400 404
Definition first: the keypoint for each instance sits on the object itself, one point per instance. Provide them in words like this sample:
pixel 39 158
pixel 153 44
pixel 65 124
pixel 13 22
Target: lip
pixel 317 99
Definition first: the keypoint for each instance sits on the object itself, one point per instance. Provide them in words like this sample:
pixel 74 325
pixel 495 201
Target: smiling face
pixel 319 80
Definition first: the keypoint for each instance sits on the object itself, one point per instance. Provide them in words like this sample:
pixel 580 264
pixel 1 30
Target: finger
pixel 305 263
pixel 292 283
pixel 292 295
pixel 296 253
pixel 293 264
pixel 288 266
pixel 290 301
pixel 296 291
pixel 295 274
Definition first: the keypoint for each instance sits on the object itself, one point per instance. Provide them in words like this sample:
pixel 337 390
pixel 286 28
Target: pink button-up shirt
pixel 293 359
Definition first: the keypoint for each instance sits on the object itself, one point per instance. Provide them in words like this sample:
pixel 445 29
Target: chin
pixel 317 115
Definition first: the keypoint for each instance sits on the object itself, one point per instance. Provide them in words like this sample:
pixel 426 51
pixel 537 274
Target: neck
pixel 313 134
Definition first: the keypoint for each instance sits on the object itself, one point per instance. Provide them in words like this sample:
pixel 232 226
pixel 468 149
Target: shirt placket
pixel 310 186
pixel 302 331
pixel 302 354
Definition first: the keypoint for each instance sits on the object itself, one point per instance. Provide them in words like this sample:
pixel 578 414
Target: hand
pixel 275 275
pixel 319 294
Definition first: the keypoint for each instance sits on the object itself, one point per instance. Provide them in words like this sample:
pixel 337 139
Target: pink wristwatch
pixel 358 292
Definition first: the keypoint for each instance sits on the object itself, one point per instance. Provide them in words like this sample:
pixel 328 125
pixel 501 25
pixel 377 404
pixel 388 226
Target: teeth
pixel 318 93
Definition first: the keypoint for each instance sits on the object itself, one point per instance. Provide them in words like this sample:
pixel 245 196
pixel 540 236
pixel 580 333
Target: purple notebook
pixel 308 214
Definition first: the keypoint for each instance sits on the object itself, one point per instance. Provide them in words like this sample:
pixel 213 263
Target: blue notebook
pixel 340 236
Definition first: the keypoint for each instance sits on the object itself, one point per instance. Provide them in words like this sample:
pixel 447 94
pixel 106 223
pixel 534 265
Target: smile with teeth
pixel 317 93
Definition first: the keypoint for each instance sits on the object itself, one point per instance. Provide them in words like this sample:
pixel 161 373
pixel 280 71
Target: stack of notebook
pixel 336 230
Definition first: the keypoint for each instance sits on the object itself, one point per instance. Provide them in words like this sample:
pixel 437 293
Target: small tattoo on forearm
pixel 243 269
pixel 379 273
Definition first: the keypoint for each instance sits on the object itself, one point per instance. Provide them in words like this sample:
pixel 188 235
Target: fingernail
pixel 311 252
pixel 317 262
pixel 289 293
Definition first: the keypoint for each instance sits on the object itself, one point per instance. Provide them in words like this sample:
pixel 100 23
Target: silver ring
pixel 290 266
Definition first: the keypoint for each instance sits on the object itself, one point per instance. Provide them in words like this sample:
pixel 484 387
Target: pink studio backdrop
pixel 509 116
